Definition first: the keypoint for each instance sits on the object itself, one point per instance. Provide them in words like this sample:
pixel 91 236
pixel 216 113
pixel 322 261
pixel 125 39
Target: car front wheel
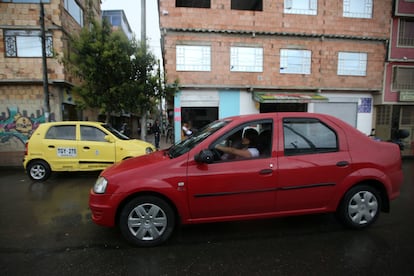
pixel 38 170
pixel 360 207
pixel 147 221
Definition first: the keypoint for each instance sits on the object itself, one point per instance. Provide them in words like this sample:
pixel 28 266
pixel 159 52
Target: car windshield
pixel 187 144
pixel 115 132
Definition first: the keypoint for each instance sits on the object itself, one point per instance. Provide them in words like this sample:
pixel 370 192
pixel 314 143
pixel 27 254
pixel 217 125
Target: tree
pixel 99 57
pixel 143 79
pixel 117 74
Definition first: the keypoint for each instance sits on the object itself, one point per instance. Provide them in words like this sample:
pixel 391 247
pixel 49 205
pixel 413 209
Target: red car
pixel 306 163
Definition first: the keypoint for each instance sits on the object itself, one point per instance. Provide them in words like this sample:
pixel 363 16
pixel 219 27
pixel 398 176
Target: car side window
pixel 308 136
pixel 90 133
pixel 261 141
pixel 66 132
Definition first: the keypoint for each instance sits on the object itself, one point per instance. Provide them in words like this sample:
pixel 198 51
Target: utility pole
pixel 46 104
pixel 160 94
pixel 143 44
pixel 143 22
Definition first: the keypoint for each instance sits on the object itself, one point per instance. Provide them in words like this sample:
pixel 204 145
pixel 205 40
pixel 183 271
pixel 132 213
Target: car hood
pixel 136 142
pixel 142 162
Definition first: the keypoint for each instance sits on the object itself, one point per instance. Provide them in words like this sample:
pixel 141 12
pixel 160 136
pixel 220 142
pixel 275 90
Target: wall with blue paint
pixel 177 117
pixel 229 103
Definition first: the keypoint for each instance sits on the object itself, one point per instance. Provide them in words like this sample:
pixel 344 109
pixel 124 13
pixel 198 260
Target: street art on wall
pixel 19 124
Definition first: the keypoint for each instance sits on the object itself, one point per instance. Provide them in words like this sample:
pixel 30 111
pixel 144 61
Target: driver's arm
pixel 239 152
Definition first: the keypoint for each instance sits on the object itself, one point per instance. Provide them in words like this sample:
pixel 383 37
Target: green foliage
pixel 116 74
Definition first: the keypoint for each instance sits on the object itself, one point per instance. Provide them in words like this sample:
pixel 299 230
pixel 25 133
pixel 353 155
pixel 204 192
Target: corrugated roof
pixel 291 34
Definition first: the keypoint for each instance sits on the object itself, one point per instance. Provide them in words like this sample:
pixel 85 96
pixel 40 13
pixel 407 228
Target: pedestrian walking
pixel 155 129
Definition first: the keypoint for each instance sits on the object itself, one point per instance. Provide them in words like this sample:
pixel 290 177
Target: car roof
pixel 72 123
pixel 281 114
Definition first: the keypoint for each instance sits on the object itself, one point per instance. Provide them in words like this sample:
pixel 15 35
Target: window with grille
pixel 309 7
pixel 406 32
pixel 26 43
pixel 295 61
pixel 407 115
pixel 383 115
pixel 193 58
pixel 246 59
pixel 352 64
pixel 357 8
pixel 403 78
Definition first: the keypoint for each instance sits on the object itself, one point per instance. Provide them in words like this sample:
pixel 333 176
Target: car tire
pixel 360 207
pixel 38 170
pixel 147 221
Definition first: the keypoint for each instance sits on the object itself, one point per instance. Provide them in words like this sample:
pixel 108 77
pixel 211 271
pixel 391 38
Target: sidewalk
pixel 163 143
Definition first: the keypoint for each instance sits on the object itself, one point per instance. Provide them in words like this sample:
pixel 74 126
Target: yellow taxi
pixel 78 146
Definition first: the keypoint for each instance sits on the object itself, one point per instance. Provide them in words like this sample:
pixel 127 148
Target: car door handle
pixel 266 171
pixel 342 164
pixel 86 148
pixel 51 146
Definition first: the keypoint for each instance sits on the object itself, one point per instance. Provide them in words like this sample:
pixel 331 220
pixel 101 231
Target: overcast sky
pixel 132 9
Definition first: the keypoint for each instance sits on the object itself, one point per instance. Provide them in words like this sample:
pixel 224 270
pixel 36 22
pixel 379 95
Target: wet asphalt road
pixel 46 230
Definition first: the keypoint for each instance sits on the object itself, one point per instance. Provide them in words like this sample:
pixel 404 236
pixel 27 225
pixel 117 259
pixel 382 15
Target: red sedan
pixel 249 167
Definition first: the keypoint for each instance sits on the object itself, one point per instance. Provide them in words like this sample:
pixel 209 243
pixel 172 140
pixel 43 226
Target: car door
pixel 314 160
pixel 231 187
pixel 94 151
pixel 60 147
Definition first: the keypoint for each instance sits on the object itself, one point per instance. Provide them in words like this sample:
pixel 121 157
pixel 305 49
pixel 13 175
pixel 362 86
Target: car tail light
pixel 26 146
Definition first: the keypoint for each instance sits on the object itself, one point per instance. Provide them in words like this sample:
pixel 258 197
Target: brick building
pixel 236 57
pixel 395 107
pixel 22 105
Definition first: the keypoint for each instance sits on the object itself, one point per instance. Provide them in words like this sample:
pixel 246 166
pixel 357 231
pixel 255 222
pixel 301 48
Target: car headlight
pixel 100 185
pixel 148 150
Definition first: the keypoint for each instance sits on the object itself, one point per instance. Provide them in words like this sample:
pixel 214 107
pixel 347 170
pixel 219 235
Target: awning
pixel 286 97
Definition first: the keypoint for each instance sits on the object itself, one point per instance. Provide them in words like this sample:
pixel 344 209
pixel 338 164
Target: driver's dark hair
pixel 252 135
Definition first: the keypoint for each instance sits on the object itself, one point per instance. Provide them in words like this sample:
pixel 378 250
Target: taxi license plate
pixel 66 152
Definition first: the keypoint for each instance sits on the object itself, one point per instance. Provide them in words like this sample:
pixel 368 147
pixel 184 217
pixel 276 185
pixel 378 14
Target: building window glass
pixel 193 3
pixel 74 10
pixel 115 20
pixel 358 8
pixel 193 58
pixel 406 32
pixel 309 7
pixel 26 43
pixel 295 61
pixel 403 78
pixel 247 5
pixel 352 64
pixel 246 59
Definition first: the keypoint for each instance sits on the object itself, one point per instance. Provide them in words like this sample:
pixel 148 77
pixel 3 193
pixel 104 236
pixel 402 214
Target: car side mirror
pixel 205 156
pixel 109 138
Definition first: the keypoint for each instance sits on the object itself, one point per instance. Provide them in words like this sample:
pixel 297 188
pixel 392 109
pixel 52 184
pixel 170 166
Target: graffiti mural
pixel 20 125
